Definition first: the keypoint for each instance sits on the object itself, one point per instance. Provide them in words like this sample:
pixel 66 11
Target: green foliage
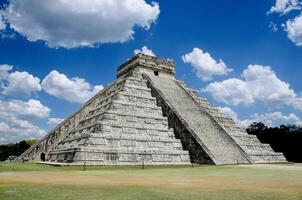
pixel 31 142
pixel 286 139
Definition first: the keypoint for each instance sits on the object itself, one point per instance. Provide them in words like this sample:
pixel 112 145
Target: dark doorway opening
pixel 42 157
pixel 156 73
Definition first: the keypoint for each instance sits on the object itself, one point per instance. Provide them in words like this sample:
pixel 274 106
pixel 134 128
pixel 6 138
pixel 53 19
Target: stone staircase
pixel 258 152
pixel 221 148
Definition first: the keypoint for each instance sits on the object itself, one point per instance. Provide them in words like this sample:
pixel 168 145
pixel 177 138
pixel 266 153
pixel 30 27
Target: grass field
pixel 24 181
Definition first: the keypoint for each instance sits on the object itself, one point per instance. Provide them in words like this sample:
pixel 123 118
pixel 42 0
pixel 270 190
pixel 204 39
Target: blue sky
pixel 244 56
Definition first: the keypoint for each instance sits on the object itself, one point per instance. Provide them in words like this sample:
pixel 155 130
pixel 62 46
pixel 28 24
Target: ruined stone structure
pixel 148 116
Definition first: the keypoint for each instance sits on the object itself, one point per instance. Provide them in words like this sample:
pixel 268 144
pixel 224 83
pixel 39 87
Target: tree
pixel 286 139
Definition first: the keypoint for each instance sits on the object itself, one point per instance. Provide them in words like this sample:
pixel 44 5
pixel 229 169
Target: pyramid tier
pixel 125 125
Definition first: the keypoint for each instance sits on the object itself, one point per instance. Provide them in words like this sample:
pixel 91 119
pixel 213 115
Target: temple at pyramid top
pixel 145 63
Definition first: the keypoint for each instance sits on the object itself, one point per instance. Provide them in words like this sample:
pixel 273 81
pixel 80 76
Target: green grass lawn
pixel 36 181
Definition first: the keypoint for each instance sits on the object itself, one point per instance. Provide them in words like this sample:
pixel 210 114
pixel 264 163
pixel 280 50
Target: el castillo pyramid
pixel 148 116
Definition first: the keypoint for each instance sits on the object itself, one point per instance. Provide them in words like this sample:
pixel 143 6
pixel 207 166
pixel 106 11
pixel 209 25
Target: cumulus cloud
pixel 20 84
pixel 144 50
pixel 268 118
pixel 231 91
pixel 285 6
pixel 79 23
pixel 75 90
pixel 267 87
pixel 297 103
pixel 54 121
pixel 293 28
pixel 4 71
pixel 259 83
pixel 14 120
pixel 205 66
pixel 16 130
pixel 32 108
pixel 272 119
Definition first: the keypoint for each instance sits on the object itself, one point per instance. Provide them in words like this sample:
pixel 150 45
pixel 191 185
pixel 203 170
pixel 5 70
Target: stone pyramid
pixel 148 116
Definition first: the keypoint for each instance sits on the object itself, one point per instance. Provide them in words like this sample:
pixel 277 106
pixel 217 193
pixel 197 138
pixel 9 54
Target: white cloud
pixel 14 116
pixel 20 84
pixel 54 121
pixel 259 83
pixel 4 71
pixel 231 91
pixel 285 6
pixel 293 27
pixel 206 67
pixel 78 23
pixel 76 89
pixel 297 103
pixel 267 87
pixel 14 131
pixel 144 50
pixel 294 30
pixel 268 118
pixel 31 108
pixel 273 119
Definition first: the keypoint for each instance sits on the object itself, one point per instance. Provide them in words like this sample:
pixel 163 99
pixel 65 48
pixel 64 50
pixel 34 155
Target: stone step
pixel 135 82
pixel 244 139
pixel 183 84
pixel 114 114
pixel 121 157
pixel 136 104
pixel 203 105
pixel 125 150
pixel 122 95
pixel 150 146
pixel 136 88
pixel 269 159
pixel 235 128
pixel 200 124
pixel 262 152
pixel 101 106
pixel 135 137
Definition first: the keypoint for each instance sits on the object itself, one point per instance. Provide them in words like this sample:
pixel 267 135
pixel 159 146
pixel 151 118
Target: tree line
pixel 9 150
pixel 285 138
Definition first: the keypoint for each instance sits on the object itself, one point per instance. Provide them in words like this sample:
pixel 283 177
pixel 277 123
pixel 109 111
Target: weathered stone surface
pixel 148 116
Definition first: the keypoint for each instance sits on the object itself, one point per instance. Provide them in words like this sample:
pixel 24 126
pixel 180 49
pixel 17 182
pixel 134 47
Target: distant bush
pixel 17 149
pixel 286 139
